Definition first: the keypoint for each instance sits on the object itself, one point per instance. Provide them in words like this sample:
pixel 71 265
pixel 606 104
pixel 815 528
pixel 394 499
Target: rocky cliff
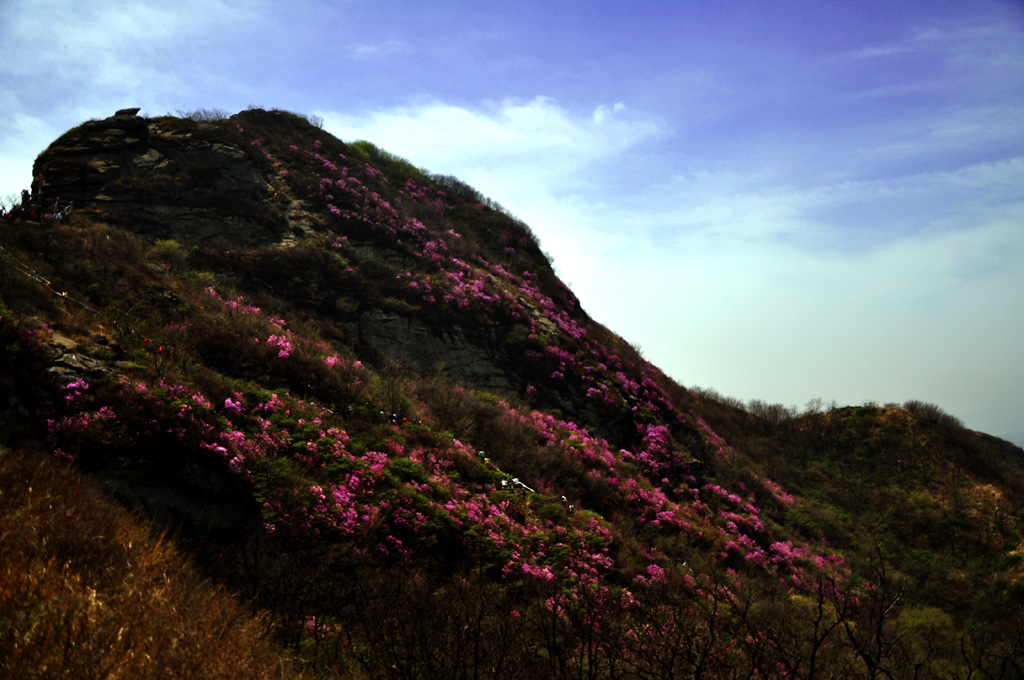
pixel 162 178
pixel 210 183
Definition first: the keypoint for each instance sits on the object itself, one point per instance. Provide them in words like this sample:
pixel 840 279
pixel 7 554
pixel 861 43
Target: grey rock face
pixel 470 355
pixel 161 180
pixel 70 363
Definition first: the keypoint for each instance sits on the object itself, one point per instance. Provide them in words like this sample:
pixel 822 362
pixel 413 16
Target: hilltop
pixel 359 400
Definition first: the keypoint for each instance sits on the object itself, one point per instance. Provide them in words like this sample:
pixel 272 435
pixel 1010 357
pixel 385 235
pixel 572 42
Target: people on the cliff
pixel 58 214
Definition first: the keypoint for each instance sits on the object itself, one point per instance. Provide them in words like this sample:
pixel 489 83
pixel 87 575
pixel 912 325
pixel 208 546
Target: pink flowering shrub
pixel 281 344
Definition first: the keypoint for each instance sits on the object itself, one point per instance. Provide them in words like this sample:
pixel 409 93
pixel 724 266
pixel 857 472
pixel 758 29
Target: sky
pixel 777 200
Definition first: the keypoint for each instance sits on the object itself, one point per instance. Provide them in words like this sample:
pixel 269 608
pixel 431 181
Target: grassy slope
pixel 88 591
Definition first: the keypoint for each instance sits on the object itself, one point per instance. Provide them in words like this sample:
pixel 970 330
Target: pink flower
pixel 282 343
pixel 234 407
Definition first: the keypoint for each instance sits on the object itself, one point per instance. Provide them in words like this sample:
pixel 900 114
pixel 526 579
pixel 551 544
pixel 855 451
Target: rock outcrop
pixel 193 182
pixel 163 177
pixel 472 355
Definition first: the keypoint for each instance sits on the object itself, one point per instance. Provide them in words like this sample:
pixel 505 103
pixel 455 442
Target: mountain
pixel 361 408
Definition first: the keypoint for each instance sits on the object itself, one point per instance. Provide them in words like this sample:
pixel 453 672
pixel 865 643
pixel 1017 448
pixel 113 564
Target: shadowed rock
pixel 474 355
pixel 161 178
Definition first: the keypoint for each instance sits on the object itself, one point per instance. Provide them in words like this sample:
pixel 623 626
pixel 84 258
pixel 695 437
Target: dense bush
pixel 933 414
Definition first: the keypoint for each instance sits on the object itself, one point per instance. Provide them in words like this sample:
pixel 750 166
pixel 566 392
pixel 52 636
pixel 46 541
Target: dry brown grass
pixel 87 592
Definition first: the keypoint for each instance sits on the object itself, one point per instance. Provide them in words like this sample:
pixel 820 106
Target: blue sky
pixel 778 200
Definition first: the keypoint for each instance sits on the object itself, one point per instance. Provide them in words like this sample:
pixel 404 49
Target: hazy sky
pixel 779 200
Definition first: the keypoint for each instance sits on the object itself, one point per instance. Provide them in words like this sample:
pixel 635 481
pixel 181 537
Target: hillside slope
pixel 360 397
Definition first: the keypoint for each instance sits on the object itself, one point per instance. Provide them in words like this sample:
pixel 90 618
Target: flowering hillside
pixel 360 397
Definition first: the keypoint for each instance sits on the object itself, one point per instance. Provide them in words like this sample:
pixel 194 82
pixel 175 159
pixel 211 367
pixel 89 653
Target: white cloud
pixel 518 152
pixel 532 156
pixel 951 41
pixel 376 50
pixel 602 112
pixel 534 132
pixel 739 280
pixel 63 61
pixel 83 50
